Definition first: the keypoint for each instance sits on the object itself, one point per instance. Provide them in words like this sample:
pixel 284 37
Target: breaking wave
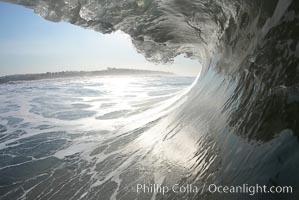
pixel 239 121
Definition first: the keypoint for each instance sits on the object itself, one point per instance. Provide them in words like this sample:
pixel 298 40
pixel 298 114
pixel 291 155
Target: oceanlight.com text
pixel 250 189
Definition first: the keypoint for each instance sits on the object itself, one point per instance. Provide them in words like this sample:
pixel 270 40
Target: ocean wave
pixel 239 121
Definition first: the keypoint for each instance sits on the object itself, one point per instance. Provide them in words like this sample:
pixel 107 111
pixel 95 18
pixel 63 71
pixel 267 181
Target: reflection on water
pixel 88 138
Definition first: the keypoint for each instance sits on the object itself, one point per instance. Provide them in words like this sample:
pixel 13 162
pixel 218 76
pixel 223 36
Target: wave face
pixel 239 122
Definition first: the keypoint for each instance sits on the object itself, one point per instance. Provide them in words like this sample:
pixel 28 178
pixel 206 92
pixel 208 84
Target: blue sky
pixel 31 44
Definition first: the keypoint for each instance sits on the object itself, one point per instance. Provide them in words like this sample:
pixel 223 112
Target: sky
pixel 31 44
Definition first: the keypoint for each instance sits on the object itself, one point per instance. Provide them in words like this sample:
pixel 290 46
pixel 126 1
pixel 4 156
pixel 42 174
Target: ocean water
pixel 237 124
pixel 67 138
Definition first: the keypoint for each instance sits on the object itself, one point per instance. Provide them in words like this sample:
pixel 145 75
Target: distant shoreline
pixel 71 74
